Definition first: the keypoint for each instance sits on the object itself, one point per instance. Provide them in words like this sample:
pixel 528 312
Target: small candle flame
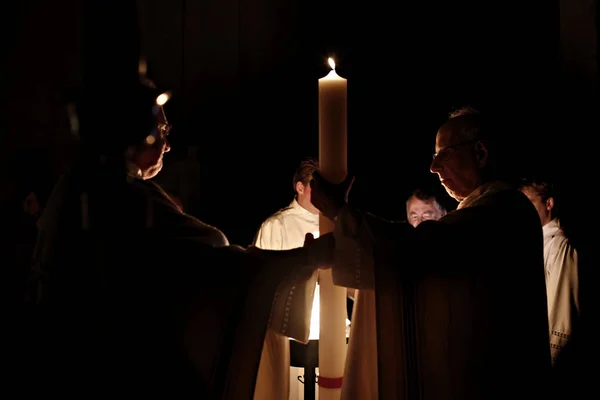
pixel 163 98
pixel 331 63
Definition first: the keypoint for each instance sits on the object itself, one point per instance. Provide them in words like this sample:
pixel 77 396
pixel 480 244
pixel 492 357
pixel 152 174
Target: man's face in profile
pixel 149 157
pixel 455 161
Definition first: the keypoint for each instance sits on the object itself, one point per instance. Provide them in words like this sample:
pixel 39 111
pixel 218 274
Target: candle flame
pixel 163 98
pixel 331 63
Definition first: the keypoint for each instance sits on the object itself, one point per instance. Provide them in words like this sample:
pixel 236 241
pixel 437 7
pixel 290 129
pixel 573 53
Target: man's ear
pixel 481 154
pixel 550 203
pixel 299 187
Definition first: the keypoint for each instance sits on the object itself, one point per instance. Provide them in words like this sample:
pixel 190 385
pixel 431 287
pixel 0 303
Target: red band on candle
pixel 330 383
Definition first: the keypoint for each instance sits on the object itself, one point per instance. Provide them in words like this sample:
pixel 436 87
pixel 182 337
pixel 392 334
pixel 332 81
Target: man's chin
pixel 153 171
pixel 452 193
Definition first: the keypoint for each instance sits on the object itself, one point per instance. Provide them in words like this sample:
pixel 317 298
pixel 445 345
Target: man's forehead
pixel 531 193
pixel 420 204
pixel 451 133
pixel 441 136
pixel 446 136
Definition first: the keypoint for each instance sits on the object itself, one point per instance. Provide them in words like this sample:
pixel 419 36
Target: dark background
pixel 244 77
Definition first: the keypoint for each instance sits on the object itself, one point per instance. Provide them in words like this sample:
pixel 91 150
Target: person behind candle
pixel 291 311
pixel 421 206
pixel 460 302
pixel 141 297
pixel 292 307
pixel 560 266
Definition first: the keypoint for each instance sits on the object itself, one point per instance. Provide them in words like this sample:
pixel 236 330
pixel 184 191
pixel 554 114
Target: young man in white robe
pixel 561 271
pixel 293 303
pixel 450 321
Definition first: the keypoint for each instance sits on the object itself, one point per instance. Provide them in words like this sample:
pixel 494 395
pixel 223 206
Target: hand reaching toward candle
pixel 308 239
pixel 328 245
pixel 300 263
pixel 329 198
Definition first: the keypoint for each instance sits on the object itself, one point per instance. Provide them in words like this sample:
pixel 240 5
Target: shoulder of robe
pixel 503 212
pixel 275 221
pixel 512 200
pixel 270 232
pixel 150 190
pixel 563 243
pixel 154 192
pixel 280 214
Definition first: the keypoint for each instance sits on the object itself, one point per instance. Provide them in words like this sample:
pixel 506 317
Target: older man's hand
pixel 320 250
pixel 319 254
pixel 298 264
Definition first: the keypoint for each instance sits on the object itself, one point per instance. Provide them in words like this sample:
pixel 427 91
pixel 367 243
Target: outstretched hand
pixel 315 254
pixel 297 264
pixel 329 198
pixel 321 250
pixel 308 239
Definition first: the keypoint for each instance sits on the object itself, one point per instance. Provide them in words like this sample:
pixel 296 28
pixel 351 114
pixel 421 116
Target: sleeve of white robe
pixel 272 378
pixel 269 236
pixel 292 304
pixel 563 294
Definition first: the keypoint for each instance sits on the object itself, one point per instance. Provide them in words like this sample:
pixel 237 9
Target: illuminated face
pixel 418 210
pixel 456 163
pixel 149 156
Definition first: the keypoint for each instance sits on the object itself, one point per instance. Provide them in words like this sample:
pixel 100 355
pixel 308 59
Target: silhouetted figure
pixel 134 296
pixel 459 304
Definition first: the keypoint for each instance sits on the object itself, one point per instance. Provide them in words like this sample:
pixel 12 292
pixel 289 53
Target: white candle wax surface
pixel 332 75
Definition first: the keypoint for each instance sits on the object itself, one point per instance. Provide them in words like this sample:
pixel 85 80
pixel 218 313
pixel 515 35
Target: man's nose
pixel 435 167
pixel 167 146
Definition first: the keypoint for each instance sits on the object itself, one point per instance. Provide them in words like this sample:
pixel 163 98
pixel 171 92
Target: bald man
pixel 458 305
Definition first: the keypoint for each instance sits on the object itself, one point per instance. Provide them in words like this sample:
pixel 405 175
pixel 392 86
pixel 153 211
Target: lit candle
pixel 314 318
pixel 333 92
pixel 333 166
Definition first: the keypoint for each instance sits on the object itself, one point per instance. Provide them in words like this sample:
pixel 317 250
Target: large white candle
pixel 333 166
